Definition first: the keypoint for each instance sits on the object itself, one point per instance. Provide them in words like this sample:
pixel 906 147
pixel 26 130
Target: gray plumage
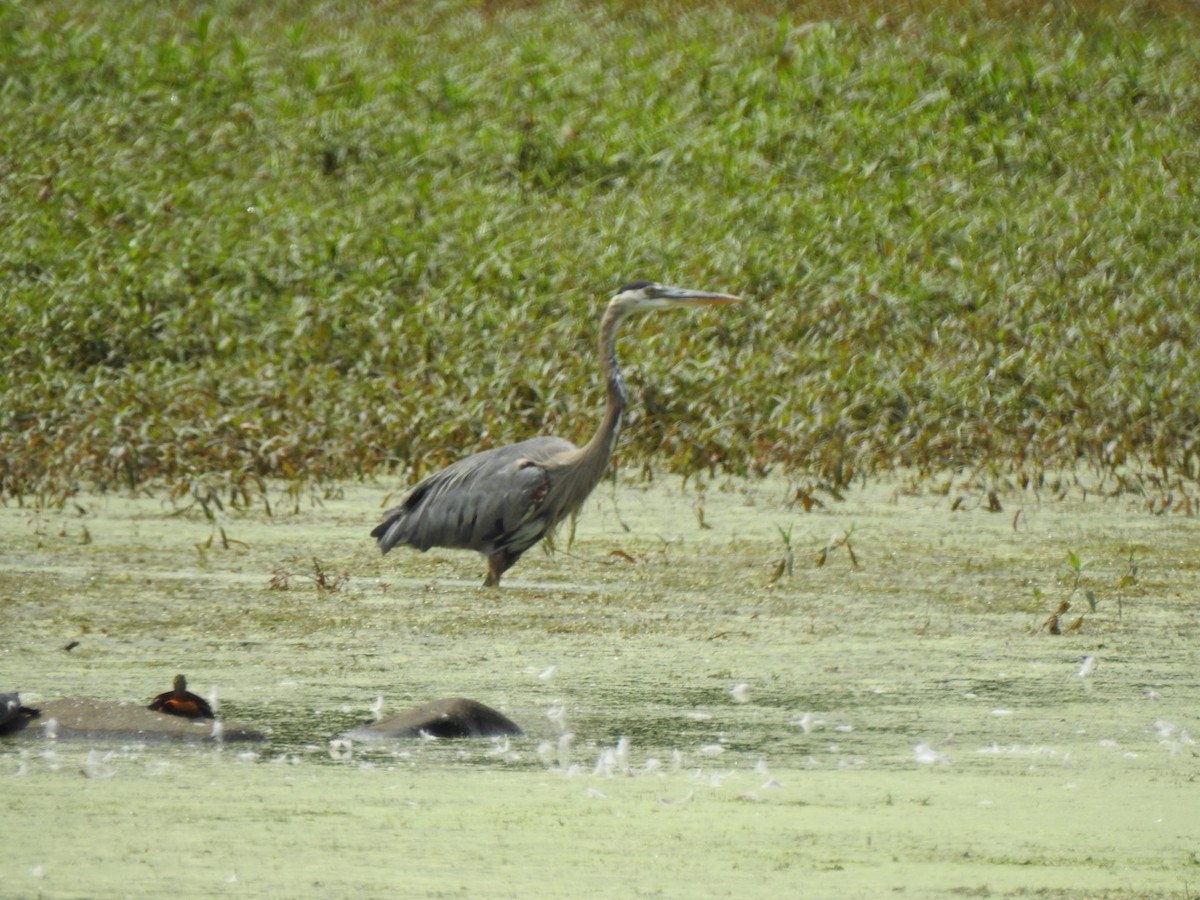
pixel 503 501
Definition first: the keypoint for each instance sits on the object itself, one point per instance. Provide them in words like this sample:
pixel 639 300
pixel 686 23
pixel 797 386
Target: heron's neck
pixel 599 449
pixel 582 469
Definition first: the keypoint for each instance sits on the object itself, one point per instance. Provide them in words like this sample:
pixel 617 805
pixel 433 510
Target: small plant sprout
pixel 699 510
pixel 322 577
pixel 1053 624
pixel 325 580
pixel 785 564
pixel 1129 579
pixel 1076 567
pixel 836 541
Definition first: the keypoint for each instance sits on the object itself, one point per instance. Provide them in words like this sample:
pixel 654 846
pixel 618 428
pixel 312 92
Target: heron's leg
pixel 498 564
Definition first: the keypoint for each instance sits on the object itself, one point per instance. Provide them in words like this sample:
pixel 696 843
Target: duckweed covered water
pixel 699 721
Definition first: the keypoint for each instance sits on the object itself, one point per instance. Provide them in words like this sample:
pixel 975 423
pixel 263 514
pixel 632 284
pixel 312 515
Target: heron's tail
pixel 390 532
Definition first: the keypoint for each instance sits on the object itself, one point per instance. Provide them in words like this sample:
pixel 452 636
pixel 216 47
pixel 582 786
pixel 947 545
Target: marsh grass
pixel 311 241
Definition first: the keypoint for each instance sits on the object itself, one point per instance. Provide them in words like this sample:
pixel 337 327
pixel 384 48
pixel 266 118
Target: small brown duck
pixel 182 702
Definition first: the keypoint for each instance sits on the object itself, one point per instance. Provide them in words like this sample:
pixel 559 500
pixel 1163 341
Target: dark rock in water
pixel 14 716
pixel 78 717
pixel 453 717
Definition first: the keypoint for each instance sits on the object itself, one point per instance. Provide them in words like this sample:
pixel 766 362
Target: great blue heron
pixel 503 501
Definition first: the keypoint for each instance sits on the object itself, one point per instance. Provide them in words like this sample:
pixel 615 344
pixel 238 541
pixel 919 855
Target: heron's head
pixel 180 683
pixel 647 296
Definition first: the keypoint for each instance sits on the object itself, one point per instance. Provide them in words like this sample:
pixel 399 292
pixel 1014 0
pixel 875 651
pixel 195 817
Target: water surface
pixel 695 724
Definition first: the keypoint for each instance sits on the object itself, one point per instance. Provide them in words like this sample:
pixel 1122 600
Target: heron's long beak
pixel 687 297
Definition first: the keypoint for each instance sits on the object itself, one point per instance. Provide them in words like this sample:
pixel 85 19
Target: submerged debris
pixel 453 717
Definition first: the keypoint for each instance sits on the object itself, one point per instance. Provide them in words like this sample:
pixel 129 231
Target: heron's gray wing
pixel 484 502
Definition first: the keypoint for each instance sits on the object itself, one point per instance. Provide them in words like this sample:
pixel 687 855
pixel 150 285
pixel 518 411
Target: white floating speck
pixel 1002 712
pixel 1087 666
pixel 686 798
pixel 564 749
pixel 717 779
pixel 741 693
pixel 605 763
pixel 711 750
pixel 548 673
pixel 594 794
pixel 500 746
pixel 621 755
pixel 376 708
pixel 927 756
pixel 558 715
pixel 1166 733
pixel 1019 750
pixel 96 765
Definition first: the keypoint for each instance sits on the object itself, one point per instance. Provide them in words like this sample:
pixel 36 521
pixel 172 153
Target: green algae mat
pixel 722 694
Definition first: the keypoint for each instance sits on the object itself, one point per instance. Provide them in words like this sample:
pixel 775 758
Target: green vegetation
pixel 313 241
